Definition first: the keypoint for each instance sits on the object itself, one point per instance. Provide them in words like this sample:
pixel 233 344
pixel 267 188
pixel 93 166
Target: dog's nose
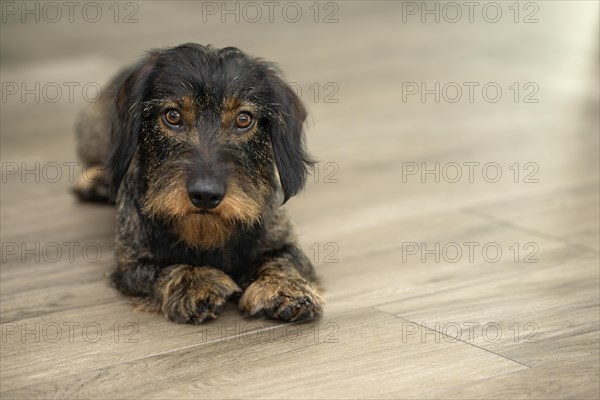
pixel 206 195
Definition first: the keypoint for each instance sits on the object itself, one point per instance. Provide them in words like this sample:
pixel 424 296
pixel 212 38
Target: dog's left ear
pixel 287 137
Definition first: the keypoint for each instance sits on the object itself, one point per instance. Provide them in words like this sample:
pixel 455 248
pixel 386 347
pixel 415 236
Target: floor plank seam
pixel 458 340
pixel 174 350
pixel 432 292
pixel 108 302
pixel 522 229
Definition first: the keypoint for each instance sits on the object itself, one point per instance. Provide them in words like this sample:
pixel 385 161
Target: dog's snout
pixel 205 194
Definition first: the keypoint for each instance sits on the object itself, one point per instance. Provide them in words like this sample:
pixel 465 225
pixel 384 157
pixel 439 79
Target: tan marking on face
pixel 188 110
pixel 231 103
pixel 208 230
pixel 238 205
pixel 232 106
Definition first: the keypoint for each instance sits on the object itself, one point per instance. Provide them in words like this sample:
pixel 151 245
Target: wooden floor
pixel 487 287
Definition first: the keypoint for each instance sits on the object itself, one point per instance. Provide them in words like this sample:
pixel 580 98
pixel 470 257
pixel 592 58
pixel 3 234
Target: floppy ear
pixel 287 137
pixel 130 88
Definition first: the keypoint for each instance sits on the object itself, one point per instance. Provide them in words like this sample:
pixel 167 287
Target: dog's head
pixel 207 127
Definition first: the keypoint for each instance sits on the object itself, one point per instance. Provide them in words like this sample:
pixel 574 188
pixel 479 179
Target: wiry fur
pixel 173 257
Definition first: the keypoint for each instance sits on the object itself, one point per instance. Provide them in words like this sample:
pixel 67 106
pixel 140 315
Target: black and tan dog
pixel 206 145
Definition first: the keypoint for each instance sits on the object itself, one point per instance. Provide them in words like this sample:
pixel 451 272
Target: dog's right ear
pixel 127 121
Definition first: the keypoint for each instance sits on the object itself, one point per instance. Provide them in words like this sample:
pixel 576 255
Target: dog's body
pixel 201 140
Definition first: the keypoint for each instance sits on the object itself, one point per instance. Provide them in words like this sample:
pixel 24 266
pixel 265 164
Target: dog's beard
pixel 167 200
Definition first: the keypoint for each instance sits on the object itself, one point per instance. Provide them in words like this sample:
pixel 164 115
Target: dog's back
pixel 93 135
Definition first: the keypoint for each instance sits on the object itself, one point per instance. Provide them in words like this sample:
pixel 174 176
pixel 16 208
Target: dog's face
pixel 208 126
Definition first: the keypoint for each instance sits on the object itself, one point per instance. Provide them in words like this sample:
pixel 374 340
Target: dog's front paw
pixel 287 299
pixel 193 295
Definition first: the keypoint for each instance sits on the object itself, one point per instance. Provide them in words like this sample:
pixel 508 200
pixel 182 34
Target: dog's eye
pixel 172 117
pixel 244 120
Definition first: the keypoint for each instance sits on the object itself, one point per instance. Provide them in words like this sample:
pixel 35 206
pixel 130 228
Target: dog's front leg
pixel 193 294
pixel 183 293
pixel 284 287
